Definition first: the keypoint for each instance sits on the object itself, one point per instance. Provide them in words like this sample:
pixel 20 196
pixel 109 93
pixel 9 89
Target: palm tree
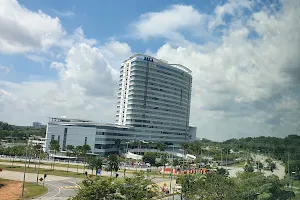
pixel 69 150
pixel 77 151
pixel 30 152
pixel 37 151
pixel 113 163
pixel 54 146
pixel 13 152
pixel 84 150
pixel 95 163
pixel 161 146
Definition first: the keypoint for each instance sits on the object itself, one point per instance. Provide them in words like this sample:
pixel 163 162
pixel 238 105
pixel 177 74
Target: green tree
pixel 210 187
pixel 69 151
pixel 38 150
pixel 269 160
pixel 175 162
pixel 13 152
pixel 113 163
pixel 163 161
pixel 95 163
pixel 259 166
pixel 54 147
pixel 272 166
pixel 138 187
pixel 77 152
pixel 222 171
pixel 248 168
pixel 161 146
pixel 85 149
pixel 101 189
pixel 149 157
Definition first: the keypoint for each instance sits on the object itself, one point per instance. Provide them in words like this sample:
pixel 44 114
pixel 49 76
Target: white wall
pixel 75 135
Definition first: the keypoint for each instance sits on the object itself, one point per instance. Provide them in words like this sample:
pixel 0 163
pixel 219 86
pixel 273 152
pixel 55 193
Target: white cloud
pixel 4 69
pixel 38 59
pixel 86 67
pixel 38 100
pixel 86 88
pixel 25 31
pixel 115 53
pixel 168 23
pixel 241 86
pixel 232 7
pixel 67 13
pixel 241 82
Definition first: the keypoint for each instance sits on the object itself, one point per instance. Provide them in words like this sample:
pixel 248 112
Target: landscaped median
pixel 11 190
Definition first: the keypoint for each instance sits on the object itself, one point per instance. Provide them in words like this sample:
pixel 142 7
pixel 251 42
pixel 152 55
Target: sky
pixel 62 58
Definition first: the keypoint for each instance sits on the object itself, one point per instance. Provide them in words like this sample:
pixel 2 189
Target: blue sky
pixel 61 58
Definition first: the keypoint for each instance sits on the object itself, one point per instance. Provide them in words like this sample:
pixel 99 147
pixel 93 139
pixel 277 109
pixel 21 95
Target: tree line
pixel 19 133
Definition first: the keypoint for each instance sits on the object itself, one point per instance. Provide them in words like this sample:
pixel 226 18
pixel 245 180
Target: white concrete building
pixel 155 96
pixel 101 137
pixel 153 105
pixel 37 140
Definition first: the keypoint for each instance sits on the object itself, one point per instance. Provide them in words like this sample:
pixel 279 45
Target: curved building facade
pixel 155 96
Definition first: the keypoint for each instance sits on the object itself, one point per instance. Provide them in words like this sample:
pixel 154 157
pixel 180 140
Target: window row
pixel 142 81
pixel 184 112
pixel 162 69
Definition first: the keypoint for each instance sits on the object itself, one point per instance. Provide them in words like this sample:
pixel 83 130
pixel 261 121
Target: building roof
pixel 82 122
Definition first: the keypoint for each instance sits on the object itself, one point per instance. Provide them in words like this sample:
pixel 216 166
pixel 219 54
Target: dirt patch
pixel 11 190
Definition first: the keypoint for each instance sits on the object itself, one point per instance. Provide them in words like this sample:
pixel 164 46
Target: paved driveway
pixel 59 188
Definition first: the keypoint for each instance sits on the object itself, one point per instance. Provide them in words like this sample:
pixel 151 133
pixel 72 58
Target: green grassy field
pixel 56 164
pixel 42 171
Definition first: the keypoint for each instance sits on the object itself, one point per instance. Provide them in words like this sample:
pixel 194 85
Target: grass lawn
pixel 42 171
pixel 13 189
pixel 47 164
pixel 33 190
pixel 240 164
pixel 296 183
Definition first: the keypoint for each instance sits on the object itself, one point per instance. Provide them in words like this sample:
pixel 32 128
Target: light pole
pixel 38 171
pixel 292 180
pixel 23 185
pixel 181 195
pixel 126 159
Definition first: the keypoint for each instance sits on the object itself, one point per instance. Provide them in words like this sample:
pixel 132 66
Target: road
pixel 59 188
pixel 279 171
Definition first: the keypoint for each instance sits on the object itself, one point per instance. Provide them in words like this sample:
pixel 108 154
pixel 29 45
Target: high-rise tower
pixel 155 96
